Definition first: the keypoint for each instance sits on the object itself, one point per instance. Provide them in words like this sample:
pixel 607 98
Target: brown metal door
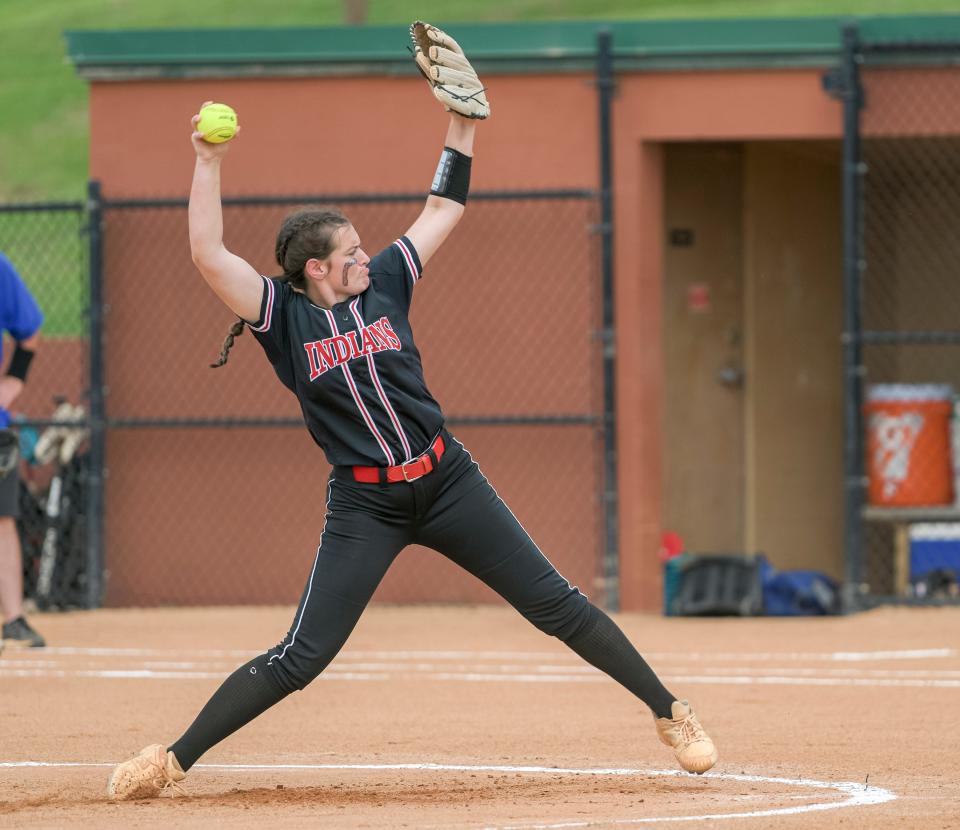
pixel 703 346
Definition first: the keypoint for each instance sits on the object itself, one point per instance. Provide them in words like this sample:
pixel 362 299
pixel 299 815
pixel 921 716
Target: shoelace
pixel 161 778
pixel 691 730
pixel 174 786
pixel 453 93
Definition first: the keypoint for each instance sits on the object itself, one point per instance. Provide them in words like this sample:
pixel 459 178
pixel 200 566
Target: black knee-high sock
pixel 246 693
pixel 602 644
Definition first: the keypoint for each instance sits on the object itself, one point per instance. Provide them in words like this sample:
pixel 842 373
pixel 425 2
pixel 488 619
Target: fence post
pixel 95 400
pixel 852 97
pixel 611 553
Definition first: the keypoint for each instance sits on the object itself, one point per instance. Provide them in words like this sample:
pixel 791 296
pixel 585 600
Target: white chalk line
pixel 334 673
pixel 145 674
pixel 856 795
pixel 346 664
pixel 520 667
pixel 523 656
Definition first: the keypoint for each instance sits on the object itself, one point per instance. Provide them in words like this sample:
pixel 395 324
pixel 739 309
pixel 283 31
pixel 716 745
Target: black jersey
pixel 355 368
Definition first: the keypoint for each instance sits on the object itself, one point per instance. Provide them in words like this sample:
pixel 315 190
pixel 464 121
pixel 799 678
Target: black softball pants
pixel 455 511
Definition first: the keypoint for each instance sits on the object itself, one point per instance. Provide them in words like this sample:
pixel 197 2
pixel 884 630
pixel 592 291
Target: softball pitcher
pixel 335 327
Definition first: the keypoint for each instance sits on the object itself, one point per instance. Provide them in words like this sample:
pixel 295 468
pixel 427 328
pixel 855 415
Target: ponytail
pixel 235 331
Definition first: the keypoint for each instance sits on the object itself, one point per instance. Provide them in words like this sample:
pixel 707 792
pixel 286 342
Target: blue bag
pixel 799 593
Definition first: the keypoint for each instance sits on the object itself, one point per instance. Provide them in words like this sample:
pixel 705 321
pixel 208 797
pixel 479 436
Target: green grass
pixel 49 252
pixel 43 104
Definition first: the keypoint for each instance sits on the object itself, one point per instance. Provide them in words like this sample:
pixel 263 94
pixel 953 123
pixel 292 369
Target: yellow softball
pixel 218 123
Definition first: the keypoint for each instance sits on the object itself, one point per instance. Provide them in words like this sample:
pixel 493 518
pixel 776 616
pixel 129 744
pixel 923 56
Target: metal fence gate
pixel 902 304
pixel 201 486
pixel 215 489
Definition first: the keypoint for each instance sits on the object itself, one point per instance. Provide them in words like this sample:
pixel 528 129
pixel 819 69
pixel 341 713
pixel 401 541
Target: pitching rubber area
pixel 450 717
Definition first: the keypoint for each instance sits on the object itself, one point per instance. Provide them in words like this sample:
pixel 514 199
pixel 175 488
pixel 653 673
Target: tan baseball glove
pixel 452 79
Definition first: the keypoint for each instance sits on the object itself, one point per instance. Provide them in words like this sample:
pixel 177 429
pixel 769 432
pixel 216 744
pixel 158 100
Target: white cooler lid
pixel 910 392
pixel 935 531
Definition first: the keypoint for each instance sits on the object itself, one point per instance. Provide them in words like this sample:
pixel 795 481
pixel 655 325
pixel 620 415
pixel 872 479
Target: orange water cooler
pixel 908 444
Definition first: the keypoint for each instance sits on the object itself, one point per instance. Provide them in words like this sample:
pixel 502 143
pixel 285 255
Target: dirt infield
pixel 469 718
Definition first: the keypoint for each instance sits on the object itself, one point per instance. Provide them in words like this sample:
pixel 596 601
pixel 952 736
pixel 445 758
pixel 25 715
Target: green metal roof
pixel 546 46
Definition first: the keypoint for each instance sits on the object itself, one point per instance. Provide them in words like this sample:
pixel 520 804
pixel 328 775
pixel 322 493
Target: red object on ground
pixel 671 544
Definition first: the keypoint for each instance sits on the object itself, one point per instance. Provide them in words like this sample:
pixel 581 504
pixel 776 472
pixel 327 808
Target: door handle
pixel 731 376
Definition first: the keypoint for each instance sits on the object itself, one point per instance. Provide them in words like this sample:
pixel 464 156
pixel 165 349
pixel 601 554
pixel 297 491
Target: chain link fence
pixel 909 306
pixel 48 245
pixel 215 491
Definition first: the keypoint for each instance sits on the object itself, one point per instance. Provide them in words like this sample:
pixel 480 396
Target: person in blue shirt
pixel 20 317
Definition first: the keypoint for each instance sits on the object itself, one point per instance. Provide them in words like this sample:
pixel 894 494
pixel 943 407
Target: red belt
pixel 410 471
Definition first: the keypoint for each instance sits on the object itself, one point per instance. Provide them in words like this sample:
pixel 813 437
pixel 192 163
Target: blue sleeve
pixel 397 269
pixel 19 313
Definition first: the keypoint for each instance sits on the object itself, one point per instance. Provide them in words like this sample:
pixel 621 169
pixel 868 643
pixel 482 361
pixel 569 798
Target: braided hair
pixel 307 234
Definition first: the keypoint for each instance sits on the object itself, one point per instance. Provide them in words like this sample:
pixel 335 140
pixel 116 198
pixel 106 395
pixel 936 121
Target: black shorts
pixel 10 494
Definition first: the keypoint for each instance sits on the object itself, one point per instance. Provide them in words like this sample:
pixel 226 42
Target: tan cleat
pixel 692 746
pixel 145 776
